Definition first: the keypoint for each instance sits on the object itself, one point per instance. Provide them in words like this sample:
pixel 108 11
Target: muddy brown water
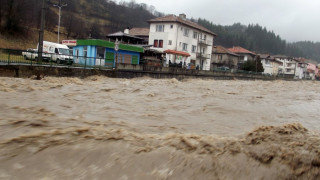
pixel 104 128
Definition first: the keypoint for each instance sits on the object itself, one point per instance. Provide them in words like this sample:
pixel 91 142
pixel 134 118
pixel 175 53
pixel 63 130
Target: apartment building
pixel 184 42
pixel 288 65
pixel 270 64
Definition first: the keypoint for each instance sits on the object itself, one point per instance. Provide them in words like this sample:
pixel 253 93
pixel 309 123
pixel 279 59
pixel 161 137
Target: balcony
pixel 205 42
pixel 203 56
pixel 290 67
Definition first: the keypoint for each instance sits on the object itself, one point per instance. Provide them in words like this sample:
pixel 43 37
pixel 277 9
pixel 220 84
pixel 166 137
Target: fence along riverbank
pixel 14 64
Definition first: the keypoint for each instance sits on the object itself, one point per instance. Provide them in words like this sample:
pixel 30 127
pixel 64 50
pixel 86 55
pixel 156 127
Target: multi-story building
pixel 288 66
pixel 245 55
pixel 182 40
pixel 301 70
pixel 312 71
pixel 270 64
pixel 222 57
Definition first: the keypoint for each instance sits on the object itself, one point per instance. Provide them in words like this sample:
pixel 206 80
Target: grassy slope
pixel 31 41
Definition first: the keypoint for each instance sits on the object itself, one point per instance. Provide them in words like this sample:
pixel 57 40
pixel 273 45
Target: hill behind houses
pixel 20 22
pixel 20 19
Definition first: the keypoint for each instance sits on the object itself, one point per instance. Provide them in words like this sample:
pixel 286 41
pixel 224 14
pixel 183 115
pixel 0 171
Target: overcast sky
pixel 293 20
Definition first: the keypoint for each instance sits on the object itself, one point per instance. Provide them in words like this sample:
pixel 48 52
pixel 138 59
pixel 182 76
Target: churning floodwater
pixel 104 128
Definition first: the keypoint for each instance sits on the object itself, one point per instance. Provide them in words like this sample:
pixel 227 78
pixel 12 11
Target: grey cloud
pixel 293 20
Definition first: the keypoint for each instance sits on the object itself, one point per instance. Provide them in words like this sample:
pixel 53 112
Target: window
pixel 155 43
pixel 194 48
pixel 100 52
pixel 85 51
pixel 170 42
pixel 204 37
pixel 219 57
pixel 186 32
pixel 185 47
pixel 195 35
pixel 160 28
pixel 171 26
pixel 160 43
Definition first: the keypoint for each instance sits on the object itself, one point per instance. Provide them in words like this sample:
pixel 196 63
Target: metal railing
pixel 29 57
pixel 205 42
pixel 18 57
pixel 203 56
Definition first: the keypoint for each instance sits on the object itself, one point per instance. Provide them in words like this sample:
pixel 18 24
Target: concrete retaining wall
pixel 131 71
pixel 126 71
pixel 28 71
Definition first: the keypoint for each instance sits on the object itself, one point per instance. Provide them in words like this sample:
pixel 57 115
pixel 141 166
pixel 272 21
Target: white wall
pixel 176 35
pixel 268 69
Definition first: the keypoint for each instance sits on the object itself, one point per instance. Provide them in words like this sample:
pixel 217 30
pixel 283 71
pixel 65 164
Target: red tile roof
pixel 222 50
pixel 139 31
pixel 177 52
pixel 240 50
pixel 174 18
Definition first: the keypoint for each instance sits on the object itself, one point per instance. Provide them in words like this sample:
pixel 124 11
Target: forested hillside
pixel 20 20
pixel 257 38
pixel 80 18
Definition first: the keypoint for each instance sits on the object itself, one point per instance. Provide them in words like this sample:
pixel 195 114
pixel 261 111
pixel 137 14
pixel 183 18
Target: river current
pixel 105 128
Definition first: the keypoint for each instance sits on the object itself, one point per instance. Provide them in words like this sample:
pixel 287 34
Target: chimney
pixel 183 16
pixel 126 31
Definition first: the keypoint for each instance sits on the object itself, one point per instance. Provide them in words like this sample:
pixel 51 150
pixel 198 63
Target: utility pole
pixel 256 64
pixel 41 32
pixel 59 5
pixel 116 49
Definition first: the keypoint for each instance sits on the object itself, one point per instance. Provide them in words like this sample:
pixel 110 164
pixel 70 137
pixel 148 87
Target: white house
pixel 301 70
pixel 182 40
pixel 288 66
pixel 270 64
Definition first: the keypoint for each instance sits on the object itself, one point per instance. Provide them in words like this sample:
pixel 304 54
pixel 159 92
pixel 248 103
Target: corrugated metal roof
pixel 122 34
pixel 108 44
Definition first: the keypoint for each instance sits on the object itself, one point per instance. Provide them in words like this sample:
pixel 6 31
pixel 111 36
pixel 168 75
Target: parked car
pixel 32 54
pixel 29 54
pixel 223 68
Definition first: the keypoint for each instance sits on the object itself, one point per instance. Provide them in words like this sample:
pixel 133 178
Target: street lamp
pixel 59 5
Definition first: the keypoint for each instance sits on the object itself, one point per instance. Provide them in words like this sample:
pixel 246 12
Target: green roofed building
pixel 95 52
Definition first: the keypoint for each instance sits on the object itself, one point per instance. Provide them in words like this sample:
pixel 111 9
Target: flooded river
pixel 104 128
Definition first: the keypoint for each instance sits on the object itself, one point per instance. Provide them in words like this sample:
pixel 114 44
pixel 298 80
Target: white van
pixel 59 53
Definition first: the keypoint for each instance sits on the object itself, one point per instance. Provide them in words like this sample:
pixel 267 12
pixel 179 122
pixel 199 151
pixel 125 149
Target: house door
pixel 109 59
